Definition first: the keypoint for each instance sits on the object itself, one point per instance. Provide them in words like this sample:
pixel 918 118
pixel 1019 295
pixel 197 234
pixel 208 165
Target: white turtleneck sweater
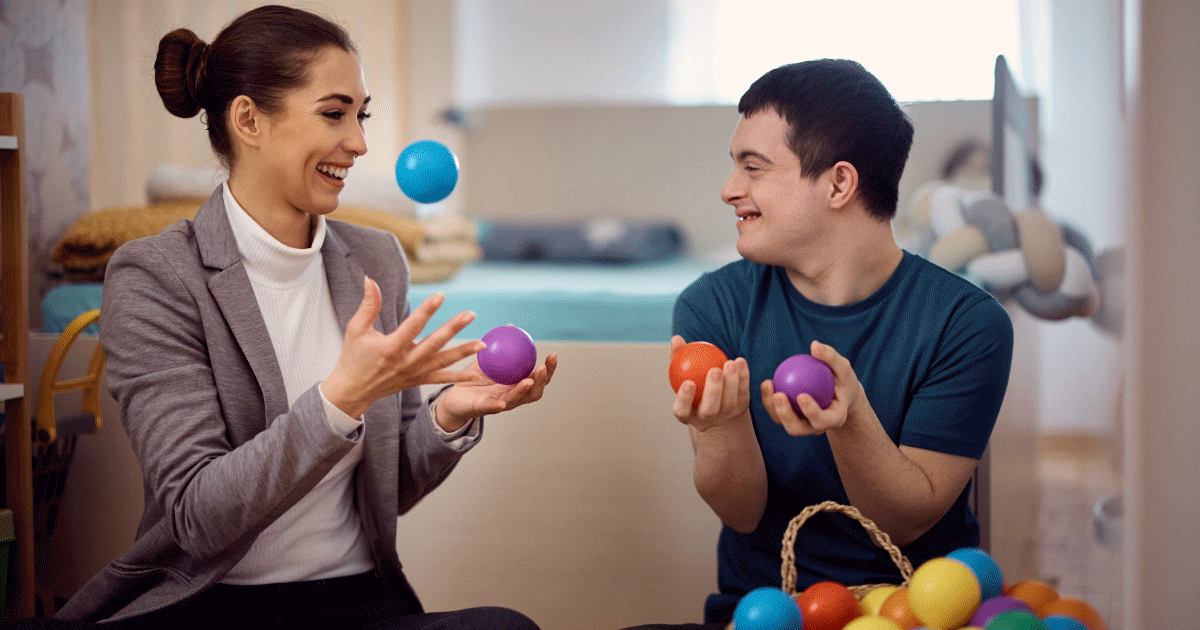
pixel 321 535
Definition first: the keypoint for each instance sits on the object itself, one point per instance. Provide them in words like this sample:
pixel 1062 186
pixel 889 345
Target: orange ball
pixel 1076 609
pixel 870 603
pixel 827 606
pixel 896 608
pixel 1033 592
pixel 692 363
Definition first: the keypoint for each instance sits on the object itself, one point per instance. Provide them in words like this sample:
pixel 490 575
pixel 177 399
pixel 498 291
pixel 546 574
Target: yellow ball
pixel 871 622
pixel 944 593
pixel 870 603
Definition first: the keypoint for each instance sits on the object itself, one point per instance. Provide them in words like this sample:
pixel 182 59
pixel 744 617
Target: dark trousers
pixel 357 602
pixel 681 627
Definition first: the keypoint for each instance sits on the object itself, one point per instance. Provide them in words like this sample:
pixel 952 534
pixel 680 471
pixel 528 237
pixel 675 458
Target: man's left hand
pixel 847 399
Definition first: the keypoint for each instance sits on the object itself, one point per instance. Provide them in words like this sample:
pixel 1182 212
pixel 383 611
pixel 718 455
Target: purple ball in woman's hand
pixel 509 355
pixel 804 373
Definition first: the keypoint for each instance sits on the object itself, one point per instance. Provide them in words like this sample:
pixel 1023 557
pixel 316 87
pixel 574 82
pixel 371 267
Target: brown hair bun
pixel 179 72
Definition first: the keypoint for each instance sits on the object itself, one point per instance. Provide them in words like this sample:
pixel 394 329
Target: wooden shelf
pixel 14 352
pixel 11 391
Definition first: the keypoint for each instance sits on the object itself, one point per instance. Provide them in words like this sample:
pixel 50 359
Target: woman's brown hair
pixel 263 54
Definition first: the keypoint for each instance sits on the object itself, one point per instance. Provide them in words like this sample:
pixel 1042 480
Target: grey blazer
pixel 202 398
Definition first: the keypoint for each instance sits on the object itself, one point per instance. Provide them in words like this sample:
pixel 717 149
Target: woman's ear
pixel 843 179
pixel 245 120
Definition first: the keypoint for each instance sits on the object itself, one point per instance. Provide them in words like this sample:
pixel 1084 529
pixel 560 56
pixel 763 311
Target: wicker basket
pixel 880 537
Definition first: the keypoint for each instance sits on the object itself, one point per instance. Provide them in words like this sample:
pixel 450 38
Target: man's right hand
pixel 726 394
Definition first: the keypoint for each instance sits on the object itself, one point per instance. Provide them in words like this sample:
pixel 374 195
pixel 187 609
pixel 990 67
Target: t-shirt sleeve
pixel 955 407
pixel 703 312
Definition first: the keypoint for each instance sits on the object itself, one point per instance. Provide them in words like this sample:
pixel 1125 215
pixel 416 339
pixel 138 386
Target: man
pixel 920 356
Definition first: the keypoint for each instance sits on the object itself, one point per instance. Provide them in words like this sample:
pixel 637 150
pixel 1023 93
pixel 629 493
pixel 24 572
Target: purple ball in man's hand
pixel 804 373
pixel 509 355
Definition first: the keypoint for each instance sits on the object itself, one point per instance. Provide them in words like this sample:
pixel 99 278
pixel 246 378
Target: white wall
pixel 1078 84
pixel 517 51
pixel 1163 435
pixel 132 132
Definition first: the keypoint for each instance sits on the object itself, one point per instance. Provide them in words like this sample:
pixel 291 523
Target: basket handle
pixel 881 538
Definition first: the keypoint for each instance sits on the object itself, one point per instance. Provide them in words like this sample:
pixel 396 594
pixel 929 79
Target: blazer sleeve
pixel 158 327
pixel 426 458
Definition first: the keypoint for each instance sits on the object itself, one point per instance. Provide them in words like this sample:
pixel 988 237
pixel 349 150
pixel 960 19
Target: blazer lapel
pixel 379 473
pixel 345 278
pixel 230 288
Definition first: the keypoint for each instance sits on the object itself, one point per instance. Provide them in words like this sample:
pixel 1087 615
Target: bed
pixel 551 301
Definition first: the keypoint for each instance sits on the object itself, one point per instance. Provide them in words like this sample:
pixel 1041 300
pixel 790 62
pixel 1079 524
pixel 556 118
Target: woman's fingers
pixel 368 309
pixel 412 325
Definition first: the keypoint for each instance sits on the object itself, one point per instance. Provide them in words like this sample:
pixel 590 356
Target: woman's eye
pixel 363 116
pixel 334 115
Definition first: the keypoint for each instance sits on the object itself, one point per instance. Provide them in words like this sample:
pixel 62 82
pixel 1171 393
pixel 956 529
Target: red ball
pixel 827 606
pixel 692 363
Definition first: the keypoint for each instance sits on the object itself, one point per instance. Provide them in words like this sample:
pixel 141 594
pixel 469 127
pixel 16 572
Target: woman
pixel 267 368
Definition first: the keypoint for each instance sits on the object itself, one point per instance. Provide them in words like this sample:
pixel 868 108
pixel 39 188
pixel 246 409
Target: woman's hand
pixel 726 394
pixel 481 396
pixel 373 365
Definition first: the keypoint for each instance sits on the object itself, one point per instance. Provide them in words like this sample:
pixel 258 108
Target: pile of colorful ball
pixel 963 590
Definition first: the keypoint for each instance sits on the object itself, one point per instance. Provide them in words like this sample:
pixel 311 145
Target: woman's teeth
pixel 333 171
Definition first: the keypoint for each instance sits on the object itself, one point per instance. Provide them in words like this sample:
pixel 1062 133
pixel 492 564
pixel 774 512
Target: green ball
pixel 1016 620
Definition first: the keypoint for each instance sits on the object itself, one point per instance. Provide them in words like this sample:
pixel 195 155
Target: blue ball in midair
pixel 427 171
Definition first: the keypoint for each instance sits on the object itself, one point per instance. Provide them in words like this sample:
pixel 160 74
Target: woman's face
pixel 311 143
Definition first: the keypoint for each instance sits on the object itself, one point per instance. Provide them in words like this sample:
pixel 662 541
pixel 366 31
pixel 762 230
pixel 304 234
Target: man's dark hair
pixel 838 111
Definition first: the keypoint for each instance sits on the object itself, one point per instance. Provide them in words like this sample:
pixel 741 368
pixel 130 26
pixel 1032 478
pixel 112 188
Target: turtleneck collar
pixel 262 254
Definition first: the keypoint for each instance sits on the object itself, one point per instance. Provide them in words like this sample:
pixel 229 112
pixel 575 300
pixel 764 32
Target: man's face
pixel 779 210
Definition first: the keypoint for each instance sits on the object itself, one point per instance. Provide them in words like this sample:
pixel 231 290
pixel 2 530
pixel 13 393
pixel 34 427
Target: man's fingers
pixel 682 408
pixel 767 389
pixel 730 381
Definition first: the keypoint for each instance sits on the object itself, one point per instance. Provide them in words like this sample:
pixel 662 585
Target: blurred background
pixel 622 110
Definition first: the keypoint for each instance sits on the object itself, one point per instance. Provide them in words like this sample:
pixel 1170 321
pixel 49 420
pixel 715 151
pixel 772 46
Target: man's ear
pixel 843 180
pixel 245 120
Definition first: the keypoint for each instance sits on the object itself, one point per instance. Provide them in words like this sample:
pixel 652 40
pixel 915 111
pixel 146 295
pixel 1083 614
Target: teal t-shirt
pixel 932 352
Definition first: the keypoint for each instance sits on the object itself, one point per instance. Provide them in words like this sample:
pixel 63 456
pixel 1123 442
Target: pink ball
pixel 509 355
pixel 804 373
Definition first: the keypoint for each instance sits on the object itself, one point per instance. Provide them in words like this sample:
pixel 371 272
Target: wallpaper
pixel 44 57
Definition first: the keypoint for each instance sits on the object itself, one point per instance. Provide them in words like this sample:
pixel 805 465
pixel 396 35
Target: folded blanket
pixel 84 250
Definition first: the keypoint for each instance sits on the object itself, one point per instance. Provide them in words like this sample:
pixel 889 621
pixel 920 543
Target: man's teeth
pixel 333 171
